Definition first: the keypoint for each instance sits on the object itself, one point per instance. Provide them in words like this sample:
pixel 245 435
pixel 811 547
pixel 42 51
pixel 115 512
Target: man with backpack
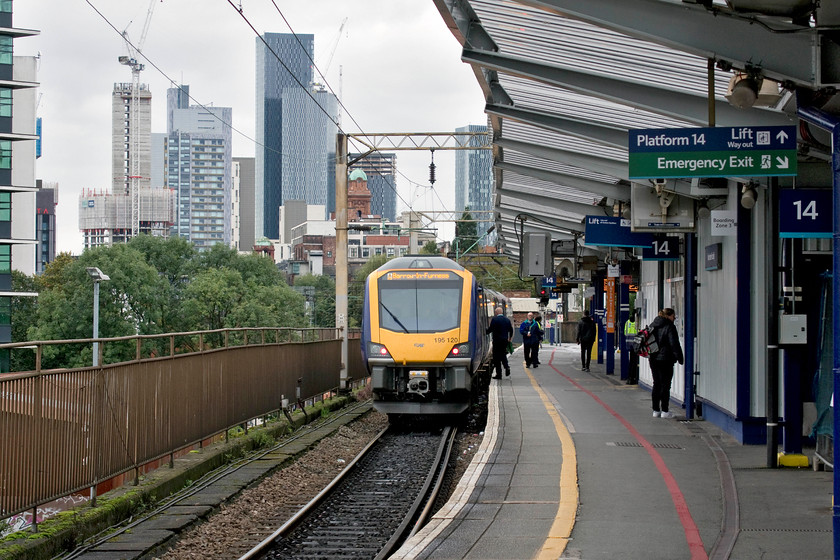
pixel 586 333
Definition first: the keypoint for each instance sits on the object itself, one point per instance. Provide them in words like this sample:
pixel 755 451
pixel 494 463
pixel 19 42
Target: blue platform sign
pixel 609 231
pixel 736 151
pixel 805 213
pixel 549 281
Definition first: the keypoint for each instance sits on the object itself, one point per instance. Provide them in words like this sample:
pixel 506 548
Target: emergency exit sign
pixel 739 151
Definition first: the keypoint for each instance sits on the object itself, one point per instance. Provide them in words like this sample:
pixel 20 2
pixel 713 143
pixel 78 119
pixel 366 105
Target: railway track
pixel 207 482
pixel 372 507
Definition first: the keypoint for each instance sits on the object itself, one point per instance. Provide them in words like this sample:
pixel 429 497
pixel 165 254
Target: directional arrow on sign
pixel 782 136
pixel 783 162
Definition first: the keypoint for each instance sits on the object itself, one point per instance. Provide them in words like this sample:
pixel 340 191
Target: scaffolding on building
pixel 105 218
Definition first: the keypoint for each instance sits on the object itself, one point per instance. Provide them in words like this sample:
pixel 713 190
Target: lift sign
pixel 805 213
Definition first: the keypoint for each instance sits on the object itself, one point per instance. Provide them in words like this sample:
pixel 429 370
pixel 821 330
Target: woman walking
pixel 662 361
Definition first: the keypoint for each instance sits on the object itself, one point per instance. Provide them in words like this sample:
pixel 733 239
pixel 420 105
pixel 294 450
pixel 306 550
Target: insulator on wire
pixel 432 169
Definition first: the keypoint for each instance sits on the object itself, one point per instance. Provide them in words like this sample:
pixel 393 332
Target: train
pixel 423 335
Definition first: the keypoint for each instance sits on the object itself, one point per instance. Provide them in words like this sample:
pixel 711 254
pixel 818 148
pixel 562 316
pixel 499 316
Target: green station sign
pixel 712 152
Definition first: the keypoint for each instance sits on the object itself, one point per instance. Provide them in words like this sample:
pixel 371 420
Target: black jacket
pixel 586 331
pixel 666 336
pixel 501 328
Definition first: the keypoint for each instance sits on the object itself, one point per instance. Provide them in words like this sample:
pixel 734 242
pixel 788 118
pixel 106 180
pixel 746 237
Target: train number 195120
pixel 451 339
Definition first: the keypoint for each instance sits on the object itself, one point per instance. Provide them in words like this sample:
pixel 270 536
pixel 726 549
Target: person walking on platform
pixel 529 341
pixel 586 333
pixel 662 361
pixel 630 332
pixel 501 330
pixel 538 332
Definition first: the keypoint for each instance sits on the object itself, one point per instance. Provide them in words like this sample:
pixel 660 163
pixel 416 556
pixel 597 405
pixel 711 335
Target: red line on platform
pixel 692 534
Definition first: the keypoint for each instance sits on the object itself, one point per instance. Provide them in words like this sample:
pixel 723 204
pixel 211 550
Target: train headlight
pixel 378 351
pixel 460 350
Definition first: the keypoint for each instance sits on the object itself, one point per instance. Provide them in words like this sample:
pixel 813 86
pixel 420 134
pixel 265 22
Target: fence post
pixel 138 348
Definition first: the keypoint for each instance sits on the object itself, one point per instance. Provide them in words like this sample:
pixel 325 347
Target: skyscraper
pixel 381 171
pixel 273 78
pixel 308 131
pixel 199 169
pixel 474 181
pixel 18 99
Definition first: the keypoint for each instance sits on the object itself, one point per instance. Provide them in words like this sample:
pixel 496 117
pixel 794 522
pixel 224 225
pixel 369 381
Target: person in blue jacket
pixel 538 332
pixel 530 342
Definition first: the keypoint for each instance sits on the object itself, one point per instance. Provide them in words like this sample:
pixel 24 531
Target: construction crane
pixel 333 47
pixel 134 118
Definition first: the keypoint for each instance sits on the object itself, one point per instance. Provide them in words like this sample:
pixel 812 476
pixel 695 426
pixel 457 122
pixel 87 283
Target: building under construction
pixel 105 217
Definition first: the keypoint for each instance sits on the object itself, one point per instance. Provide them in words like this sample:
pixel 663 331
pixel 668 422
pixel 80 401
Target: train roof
pixel 421 261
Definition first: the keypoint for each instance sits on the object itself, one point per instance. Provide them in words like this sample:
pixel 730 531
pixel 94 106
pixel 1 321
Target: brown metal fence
pixel 62 431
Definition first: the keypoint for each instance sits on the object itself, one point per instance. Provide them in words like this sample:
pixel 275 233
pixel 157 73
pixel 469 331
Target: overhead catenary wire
pixel 198 103
pixel 329 87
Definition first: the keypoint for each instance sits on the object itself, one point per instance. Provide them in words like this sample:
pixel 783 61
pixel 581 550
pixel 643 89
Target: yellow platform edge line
pixel 564 520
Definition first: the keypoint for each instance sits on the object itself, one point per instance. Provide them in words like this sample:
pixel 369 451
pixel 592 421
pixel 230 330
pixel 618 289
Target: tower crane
pixel 333 47
pixel 134 117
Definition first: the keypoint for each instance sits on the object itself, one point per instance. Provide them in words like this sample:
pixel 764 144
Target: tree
pixel 430 248
pixel 324 298
pixel 357 290
pixel 127 304
pixel 211 296
pixel 465 234
pixel 24 309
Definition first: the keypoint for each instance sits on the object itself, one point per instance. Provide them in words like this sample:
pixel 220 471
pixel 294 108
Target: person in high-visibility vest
pixel 630 331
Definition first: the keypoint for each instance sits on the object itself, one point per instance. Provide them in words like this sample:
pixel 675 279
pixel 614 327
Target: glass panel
pixel 5 207
pixel 5 102
pixel 6 49
pixel 5 259
pixel 5 154
pixel 414 306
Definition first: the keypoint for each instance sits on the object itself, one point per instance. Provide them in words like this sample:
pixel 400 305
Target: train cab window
pixel 418 306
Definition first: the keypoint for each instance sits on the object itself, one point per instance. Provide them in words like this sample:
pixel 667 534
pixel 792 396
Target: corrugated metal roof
pixel 560 132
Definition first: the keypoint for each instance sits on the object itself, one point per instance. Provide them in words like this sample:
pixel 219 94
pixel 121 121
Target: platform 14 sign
pixel 805 213
pixel 662 249
pixel 712 152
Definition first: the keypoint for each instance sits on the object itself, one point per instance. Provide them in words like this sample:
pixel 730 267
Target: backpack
pixel 644 343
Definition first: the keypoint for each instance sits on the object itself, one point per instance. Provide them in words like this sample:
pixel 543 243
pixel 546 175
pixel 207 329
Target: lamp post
pixel 98 276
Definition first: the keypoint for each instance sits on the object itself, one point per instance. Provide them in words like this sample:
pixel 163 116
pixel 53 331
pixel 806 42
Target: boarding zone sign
pixel 740 151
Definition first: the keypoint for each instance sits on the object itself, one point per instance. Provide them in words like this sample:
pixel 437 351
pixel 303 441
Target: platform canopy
pixel 564 81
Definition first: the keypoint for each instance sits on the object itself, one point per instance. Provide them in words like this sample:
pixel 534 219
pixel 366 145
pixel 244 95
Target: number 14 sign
pixel 662 249
pixel 805 213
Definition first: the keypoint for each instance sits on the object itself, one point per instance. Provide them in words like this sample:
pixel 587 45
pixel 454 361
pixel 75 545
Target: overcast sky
pixel 401 72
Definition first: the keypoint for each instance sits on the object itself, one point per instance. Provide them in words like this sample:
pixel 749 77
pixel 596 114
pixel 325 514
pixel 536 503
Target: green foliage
pixel 356 290
pixel 156 286
pixel 324 301
pixel 430 248
pixel 497 273
pixel 466 237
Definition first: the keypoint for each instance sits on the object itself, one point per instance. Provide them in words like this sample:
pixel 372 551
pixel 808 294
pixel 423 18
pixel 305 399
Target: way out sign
pixel 805 213
pixel 739 151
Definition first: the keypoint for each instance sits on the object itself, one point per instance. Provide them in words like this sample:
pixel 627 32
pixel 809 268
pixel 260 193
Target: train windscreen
pixel 420 302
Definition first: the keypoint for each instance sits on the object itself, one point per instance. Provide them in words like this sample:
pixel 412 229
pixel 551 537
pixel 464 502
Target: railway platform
pixel 573 465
